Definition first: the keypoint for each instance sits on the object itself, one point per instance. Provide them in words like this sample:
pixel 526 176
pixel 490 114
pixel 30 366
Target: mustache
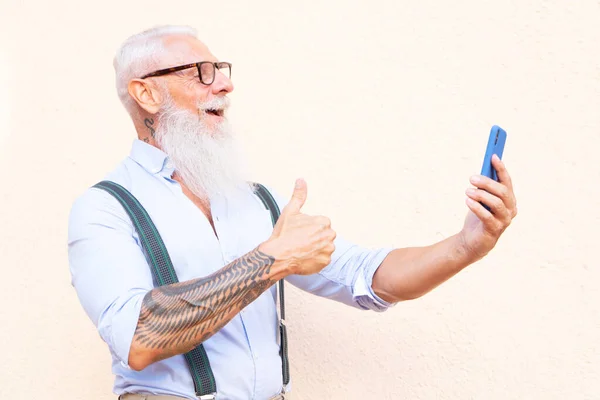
pixel 216 103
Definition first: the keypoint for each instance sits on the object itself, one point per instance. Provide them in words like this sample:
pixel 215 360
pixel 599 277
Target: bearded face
pixel 202 148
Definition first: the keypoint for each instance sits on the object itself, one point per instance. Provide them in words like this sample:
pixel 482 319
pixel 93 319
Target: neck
pixel 145 126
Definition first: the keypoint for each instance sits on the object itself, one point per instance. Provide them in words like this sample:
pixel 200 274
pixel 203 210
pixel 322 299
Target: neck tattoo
pixel 149 122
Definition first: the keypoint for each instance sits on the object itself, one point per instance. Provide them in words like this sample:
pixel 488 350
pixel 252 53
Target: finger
pixel 484 215
pixel 497 207
pixel 325 259
pixel 503 175
pixel 323 221
pixel 495 188
pixel 505 179
pixel 330 248
pixel 327 236
pixel 298 198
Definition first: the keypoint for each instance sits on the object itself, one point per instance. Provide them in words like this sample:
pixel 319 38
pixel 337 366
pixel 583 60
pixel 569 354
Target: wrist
pixel 282 264
pixel 465 250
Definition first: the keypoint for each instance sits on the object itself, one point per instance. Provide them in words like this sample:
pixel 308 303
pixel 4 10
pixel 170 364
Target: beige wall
pixel 384 107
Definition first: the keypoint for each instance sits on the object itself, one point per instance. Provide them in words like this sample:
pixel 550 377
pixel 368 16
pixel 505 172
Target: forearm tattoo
pixel 176 318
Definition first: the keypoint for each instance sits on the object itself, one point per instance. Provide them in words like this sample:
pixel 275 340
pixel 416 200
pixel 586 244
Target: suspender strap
pixel 163 274
pixel 272 206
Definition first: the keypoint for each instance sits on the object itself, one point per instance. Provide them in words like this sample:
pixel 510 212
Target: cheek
pixel 189 97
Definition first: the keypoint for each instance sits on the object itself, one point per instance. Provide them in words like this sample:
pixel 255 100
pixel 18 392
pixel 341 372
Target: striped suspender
pixel 164 274
pixel 271 205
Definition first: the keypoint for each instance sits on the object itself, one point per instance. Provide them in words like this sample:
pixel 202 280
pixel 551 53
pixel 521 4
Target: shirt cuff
pixel 123 323
pixel 363 290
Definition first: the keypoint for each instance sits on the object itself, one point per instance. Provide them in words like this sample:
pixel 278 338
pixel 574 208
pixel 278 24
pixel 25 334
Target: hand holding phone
pixel 484 225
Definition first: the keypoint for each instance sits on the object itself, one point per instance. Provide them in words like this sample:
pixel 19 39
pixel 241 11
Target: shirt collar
pixel 151 158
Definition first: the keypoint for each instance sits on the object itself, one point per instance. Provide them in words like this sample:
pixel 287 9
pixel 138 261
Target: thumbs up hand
pixel 303 243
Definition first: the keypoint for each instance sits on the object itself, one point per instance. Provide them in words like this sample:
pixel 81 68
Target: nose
pixel 222 83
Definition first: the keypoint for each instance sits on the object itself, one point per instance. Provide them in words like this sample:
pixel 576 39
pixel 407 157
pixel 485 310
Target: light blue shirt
pixel 111 277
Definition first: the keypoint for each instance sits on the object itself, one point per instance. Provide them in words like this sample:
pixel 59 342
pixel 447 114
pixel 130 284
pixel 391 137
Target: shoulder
pixel 95 206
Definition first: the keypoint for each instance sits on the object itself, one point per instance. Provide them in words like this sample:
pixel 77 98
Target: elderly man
pixel 220 309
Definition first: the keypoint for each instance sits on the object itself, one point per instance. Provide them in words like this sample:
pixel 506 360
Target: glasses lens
pixel 207 73
pixel 225 69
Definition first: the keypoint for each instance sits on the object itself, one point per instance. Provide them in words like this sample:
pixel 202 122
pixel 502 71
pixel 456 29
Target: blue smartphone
pixel 495 145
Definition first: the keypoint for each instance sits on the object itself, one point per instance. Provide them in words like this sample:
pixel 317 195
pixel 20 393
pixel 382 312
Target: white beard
pixel 207 160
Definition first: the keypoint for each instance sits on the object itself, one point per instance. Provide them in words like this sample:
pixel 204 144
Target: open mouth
pixel 218 113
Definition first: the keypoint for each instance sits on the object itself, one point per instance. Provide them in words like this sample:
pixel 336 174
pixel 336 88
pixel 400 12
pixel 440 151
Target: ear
pixel 146 94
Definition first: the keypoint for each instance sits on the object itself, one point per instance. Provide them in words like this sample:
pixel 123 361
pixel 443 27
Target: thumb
pixel 298 197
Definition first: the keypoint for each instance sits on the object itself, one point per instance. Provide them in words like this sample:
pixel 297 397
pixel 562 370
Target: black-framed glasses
pixel 206 70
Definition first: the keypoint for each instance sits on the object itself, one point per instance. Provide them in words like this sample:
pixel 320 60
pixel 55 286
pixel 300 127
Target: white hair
pixel 141 54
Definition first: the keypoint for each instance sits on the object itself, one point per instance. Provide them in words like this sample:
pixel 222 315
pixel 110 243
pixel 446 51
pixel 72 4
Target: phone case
pixel 495 146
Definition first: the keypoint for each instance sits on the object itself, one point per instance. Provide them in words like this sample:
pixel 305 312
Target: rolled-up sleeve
pixel 349 277
pixel 108 269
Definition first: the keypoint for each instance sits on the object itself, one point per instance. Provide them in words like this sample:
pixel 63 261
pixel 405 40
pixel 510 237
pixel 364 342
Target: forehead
pixel 185 50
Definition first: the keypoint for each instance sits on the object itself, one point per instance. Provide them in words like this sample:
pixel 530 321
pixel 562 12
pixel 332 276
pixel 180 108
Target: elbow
pixel 399 295
pixel 137 364
pixel 399 298
pixel 398 290
pixel 139 359
pixel 409 296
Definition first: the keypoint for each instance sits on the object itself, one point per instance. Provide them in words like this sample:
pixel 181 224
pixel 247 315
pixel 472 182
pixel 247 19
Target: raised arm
pixel 409 273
